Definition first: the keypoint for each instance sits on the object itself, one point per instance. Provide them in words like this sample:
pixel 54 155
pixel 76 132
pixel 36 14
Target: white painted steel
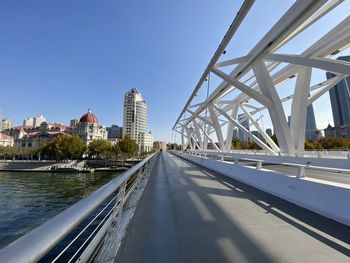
pixel 257 79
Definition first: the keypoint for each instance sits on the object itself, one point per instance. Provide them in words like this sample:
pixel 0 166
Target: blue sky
pixel 59 58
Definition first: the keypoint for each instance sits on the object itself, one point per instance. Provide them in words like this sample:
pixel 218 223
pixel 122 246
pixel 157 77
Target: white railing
pixel 301 164
pixel 319 159
pixel 107 210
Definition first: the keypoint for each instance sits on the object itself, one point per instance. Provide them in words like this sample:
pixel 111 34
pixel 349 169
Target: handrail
pixel 260 161
pixel 35 244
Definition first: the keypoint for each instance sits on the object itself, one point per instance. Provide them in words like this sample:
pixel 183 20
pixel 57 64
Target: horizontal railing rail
pixel 259 162
pixel 36 244
pixel 332 153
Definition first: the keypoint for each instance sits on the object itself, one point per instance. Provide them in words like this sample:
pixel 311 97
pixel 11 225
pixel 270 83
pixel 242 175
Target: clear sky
pixel 59 58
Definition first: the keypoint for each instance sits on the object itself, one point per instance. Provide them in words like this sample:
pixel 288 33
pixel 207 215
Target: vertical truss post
pixel 206 137
pixel 299 108
pixel 276 111
pixel 217 128
pixel 189 138
pixel 198 133
pixel 183 139
pixel 230 128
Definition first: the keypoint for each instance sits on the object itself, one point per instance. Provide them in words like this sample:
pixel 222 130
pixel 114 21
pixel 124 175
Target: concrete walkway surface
pixel 190 214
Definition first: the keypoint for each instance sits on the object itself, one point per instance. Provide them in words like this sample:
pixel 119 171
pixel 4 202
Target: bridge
pixel 218 204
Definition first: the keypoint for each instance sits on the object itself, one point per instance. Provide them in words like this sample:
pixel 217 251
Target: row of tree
pixel 327 143
pixel 72 147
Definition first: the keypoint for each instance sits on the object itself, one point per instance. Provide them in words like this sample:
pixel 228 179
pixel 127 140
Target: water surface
pixel 29 199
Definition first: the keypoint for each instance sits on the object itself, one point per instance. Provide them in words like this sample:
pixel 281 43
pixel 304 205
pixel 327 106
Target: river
pixel 29 199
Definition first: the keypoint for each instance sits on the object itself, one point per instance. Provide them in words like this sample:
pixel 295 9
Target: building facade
pixel 88 128
pixel 73 122
pixel 330 131
pixel 39 119
pixel 311 132
pixel 114 132
pixel 34 121
pixel 31 137
pixel 159 145
pixel 28 122
pixel 145 141
pixel 5 124
pixel 269 132
pixel 245 123
pixel 340 102
pixel 135 120
pixel 6 140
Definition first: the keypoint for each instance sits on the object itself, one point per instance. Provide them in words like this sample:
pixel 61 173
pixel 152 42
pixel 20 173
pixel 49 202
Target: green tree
pixel 335 143
pixel 312 145
pixel 99 148
pixel 236 144
pixel 116 150
pixel 128 147
pixel 65 147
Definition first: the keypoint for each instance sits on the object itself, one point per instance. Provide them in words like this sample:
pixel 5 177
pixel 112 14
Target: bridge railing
pixel 94 225
pixel 301 164
pixel 333 153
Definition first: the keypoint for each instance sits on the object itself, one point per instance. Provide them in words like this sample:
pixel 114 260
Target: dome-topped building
pixel 89 117
pixel 88 128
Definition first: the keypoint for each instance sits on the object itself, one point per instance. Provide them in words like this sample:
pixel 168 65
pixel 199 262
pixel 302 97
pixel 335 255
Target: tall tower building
pixel 28 122
pixel 245 123
pixel 310 129
pixel 39 119
pixel 135 120
pixel 340 101
pixel 5 124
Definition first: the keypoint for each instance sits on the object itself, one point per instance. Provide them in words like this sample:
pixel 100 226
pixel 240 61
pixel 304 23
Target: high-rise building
pixel 245 123
pixel 39 119
pixel 269 132
pixel 115 132
pixel 73 122
pixel 28 122
pixel 258 135
pixel 5 124
pixel 311 132
pixel 235 134
pixel 135 120
pixel 340 102
pixel 34 121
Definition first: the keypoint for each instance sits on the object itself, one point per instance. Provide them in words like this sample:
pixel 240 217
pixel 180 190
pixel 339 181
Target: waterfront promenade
pixel 190 214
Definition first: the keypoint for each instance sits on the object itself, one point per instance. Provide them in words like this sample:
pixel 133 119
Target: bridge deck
pixel 189 214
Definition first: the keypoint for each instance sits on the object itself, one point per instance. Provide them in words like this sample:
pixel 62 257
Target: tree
pixel 236 144
pixel 116 150
pixel 335 143
pixel 173 146
pixel 311 145
pixel 128 147
pixel 99 148
pixel 65 147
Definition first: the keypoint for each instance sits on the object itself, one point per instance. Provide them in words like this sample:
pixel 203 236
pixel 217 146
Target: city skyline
pixel 60 67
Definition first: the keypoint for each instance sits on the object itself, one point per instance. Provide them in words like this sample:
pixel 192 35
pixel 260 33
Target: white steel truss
pixel 256 76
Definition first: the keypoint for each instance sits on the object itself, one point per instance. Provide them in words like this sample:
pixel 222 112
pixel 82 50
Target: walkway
pixel 189 214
